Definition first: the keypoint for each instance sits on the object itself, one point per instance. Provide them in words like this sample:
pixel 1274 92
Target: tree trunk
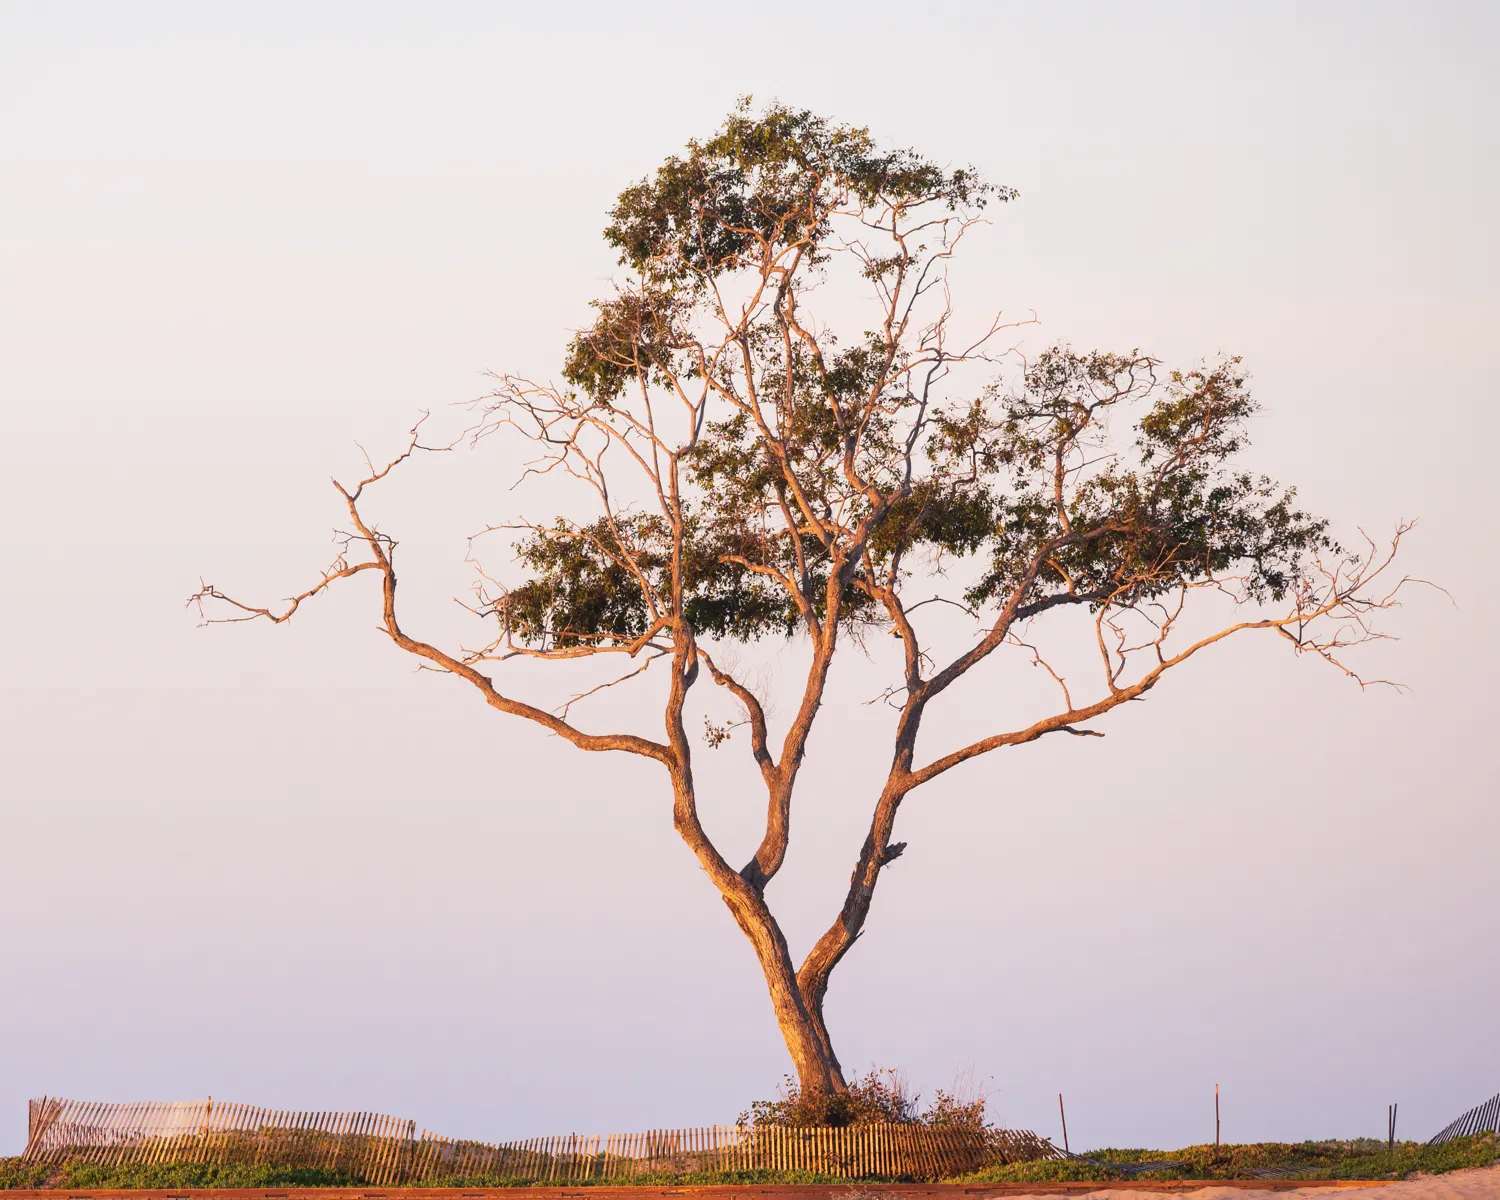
pixel 799 1017
pixel 814 1006
pixel 801 1024
pixel 806 1037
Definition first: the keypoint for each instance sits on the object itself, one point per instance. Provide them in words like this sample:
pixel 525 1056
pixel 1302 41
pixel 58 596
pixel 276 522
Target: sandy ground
pixel 1483 1183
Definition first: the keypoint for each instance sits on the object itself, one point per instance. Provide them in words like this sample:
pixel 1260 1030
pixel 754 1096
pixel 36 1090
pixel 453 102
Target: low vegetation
pixel 71 1176
pixel 1363 1158
pixel 883 1096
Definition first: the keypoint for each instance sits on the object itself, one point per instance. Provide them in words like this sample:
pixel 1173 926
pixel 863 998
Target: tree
pixel 753 474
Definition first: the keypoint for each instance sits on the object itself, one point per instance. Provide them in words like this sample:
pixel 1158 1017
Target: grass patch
pixel 1363 1158
pixel 15 1174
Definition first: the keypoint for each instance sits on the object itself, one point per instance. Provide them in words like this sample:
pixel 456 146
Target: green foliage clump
pixel 772 180
pixel 16 1174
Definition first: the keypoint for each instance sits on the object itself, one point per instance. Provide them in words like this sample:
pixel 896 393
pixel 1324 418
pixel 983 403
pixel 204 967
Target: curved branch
pixel 381 547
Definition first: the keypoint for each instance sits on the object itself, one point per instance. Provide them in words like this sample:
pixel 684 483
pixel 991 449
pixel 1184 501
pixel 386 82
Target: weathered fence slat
pixel 1483 1118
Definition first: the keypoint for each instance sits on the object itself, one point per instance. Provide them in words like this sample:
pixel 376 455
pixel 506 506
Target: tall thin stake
pixel 1216 1116
pixel 1062 1112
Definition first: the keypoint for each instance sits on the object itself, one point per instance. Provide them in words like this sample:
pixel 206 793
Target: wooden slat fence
pixel 370 1145
pixel 1484 1118
pixel 383 1150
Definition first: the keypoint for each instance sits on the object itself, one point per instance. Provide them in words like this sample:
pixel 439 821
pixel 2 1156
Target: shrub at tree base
pixel 881 1096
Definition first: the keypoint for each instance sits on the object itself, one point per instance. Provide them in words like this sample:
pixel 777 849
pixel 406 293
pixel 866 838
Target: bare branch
pixel 1344 604
pixel 380 547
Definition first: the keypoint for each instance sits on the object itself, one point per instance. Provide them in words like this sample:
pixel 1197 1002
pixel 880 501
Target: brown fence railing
pixel 384 1150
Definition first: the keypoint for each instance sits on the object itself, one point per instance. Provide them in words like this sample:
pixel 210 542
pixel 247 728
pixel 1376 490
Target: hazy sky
pixel 278 866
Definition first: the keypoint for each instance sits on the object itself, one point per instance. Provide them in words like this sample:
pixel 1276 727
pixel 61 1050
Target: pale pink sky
pixel 278 866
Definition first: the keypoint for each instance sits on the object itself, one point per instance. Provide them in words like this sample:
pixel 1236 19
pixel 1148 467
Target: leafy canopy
pixel 794 475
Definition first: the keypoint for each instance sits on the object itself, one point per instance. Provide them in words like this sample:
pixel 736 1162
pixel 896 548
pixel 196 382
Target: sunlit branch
pixel 1348 599
pixel 380 547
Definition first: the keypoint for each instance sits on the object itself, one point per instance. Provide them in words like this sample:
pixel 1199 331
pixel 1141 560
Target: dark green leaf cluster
pixel 1126 532
pixel 606 583
pixel 636 335
pixel 763 183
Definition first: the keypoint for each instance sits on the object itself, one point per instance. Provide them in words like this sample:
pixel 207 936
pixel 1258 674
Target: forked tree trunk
pixel 806 1036
pixel 798 1015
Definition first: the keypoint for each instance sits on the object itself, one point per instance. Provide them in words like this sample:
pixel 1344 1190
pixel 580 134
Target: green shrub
pixel 881 1097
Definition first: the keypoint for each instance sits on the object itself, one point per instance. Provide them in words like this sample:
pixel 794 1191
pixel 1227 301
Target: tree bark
pixel 801 1025
pixel 798 1016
